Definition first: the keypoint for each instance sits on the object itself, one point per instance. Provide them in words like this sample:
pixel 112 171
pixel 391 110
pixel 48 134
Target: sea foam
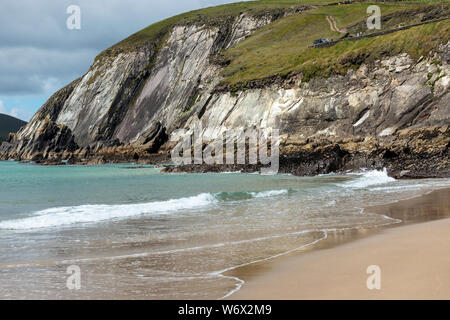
pixel 369 178
pixel 62 216
pixel 270 193
pixel 94 213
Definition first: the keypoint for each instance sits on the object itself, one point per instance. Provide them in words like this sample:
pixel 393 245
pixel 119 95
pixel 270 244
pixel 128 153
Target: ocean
pixel 136 233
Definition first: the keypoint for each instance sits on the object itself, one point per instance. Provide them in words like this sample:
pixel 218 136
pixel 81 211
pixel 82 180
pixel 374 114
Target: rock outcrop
pixel 392 113
pixel 124 95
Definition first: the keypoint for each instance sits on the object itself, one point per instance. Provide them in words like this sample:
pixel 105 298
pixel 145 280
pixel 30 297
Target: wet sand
pixel 414 259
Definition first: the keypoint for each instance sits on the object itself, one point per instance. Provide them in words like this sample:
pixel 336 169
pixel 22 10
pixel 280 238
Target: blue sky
pixel 22 107
pixel 39 54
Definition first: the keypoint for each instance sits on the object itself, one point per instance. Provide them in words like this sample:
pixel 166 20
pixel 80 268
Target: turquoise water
pixel 138 233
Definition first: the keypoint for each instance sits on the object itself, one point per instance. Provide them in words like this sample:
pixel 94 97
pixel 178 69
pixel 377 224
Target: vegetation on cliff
pixel 212 16
pixel 283 47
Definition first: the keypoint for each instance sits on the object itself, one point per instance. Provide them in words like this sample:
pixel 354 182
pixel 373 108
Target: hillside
pixel 8 125
pixel 372 98
pixel 282 48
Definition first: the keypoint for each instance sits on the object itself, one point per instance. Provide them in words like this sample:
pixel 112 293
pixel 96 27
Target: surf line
pixel 325 232
pixel 241 282
pixel 146 254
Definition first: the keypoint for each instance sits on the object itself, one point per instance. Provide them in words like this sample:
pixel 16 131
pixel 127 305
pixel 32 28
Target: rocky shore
pixel 390 112
pixel 413 153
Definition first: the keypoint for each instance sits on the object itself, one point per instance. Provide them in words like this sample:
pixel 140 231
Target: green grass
pixel 281 48
pixel 213 16
pixel 425 1
pixel 417 41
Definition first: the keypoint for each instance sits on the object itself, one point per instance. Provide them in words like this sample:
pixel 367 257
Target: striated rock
pixel 391 113
pixel 153 138
pixel 49 138
pixel 96 161
pixel 42 135
pixel 124 94
pixel 414 153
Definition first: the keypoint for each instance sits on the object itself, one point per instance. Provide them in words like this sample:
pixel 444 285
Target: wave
pixel 62 216
pixel 369 178
pixel 270 193
pixel 94 213
pixel 235 196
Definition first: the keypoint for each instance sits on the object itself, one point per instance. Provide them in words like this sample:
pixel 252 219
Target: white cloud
pixel 38 53
pixel 13 112
pixel 2 107
pixel 38 71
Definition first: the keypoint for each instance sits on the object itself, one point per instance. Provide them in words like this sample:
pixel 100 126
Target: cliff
pixel 376 102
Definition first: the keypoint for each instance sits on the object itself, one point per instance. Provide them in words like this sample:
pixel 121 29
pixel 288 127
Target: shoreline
pixel 423 158
pixel 405 253
pixel 327 239
pixel 169 168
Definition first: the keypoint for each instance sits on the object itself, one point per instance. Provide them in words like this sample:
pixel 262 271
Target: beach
pixel 413 259
pixel 143 234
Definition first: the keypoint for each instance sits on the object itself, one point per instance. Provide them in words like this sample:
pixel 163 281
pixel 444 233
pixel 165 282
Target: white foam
pixel 94 213
pixel 62 216
pixel 418 186
pixel 369 178
pixel 270 193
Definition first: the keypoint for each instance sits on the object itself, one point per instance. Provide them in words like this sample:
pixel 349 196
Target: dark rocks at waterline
pixel 414 153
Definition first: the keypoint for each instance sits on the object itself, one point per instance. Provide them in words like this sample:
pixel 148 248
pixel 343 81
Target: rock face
pixel 43 137
pixel 412 153
pixel 394 94
pixel 124 95
pixel 393 113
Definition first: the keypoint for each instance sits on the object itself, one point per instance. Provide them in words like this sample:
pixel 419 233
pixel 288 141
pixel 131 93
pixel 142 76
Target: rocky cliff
pixel 394 115
pixel 125 95
pixel 391 112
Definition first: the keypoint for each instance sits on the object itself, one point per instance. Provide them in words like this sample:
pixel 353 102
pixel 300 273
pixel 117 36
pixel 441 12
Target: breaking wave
pixel 61 216
pixel 369 178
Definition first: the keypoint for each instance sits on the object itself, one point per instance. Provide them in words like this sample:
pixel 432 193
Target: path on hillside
pixel 374 34
pixel 333 25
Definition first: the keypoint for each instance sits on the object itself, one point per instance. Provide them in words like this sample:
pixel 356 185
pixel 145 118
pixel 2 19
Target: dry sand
pixel 414 260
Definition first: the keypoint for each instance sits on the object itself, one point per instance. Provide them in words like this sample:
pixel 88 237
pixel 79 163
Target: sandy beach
pixel 414 260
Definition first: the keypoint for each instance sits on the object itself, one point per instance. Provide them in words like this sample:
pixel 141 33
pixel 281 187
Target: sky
pixel 39 54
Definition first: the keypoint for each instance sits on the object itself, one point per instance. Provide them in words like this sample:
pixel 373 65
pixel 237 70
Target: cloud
pixel 39 71
pixel 39 54
pixel 15 112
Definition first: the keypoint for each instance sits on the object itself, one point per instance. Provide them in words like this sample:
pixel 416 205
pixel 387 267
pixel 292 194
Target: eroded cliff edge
pixel 392 112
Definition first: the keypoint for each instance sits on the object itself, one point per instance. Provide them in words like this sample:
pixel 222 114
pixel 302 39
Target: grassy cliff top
pixel 282 48
pixel 213 16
